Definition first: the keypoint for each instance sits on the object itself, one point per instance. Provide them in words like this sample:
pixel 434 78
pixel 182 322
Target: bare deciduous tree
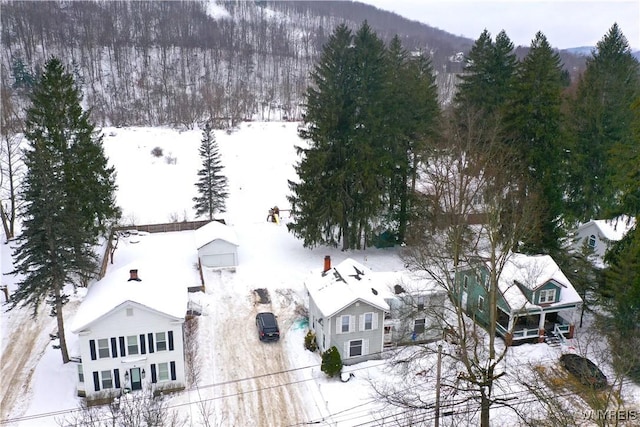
pixel 468 176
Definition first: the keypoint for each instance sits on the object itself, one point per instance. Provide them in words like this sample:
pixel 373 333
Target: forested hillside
pixel 175 63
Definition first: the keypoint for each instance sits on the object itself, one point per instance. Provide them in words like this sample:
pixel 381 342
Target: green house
pixel 535 299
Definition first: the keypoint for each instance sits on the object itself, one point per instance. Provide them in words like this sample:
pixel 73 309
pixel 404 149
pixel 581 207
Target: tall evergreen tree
pixel 488 78
pixel 411 122
pixel 534 130
pixel 321 199
pixel 211 185
pixel 600 122
pixel 68 193
pixel 366 168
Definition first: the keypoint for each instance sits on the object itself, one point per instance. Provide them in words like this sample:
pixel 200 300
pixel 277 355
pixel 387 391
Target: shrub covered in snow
pixel 310 341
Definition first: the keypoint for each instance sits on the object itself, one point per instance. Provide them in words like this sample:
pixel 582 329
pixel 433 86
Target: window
pixel 161 341
pixel 129 312
pixel 418 326
pixel 345 324
pixel 107 382
pixel 592 241
pixel 368 321
pixel 420 303
pixel 103 348
pixel 547 296
pixel 80 374
pixel 481 303
pixel 465 283
pixel 163 372
pixel 355 348
pixel 132 344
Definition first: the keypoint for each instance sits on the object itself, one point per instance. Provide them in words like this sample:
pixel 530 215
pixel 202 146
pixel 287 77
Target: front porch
pixel 534 327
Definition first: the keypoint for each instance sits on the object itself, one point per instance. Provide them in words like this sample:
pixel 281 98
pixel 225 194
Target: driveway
pixel 254 382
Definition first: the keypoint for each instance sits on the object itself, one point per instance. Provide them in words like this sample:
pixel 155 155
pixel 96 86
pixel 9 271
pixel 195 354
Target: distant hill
pixel 176 63
pixel 580 51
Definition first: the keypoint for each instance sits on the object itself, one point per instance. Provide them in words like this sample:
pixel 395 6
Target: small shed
pixel 217 245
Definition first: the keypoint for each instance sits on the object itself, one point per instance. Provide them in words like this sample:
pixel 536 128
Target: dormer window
pixel 547 296
pixel 592 241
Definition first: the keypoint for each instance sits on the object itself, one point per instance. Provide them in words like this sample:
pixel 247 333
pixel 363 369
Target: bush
pixel 157 152
pixel 331 362
pixel 310 341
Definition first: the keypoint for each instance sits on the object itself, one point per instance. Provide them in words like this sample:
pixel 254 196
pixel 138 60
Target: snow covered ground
pixel 248 382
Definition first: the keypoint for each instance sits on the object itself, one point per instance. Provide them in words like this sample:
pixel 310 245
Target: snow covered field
pixel 248 382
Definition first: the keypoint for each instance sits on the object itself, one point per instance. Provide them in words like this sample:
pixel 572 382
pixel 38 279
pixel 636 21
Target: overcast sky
pixel 565 23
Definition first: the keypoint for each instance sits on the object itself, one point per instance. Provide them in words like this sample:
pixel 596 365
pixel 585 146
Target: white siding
pixel 117 324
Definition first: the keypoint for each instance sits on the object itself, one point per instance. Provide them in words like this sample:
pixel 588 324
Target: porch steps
pixel 552 340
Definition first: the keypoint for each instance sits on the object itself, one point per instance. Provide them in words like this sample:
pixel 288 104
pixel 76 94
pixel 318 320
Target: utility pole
pixel 437 423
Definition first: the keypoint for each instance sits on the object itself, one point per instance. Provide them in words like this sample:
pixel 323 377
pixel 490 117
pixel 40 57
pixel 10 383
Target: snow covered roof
pixel 414 283
pixel 345 284
pixel 166 266
pixel 213 231
pixel 532 272
pixel 612 229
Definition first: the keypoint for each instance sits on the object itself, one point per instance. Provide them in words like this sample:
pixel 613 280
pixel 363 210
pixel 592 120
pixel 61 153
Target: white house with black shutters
pixel 130 331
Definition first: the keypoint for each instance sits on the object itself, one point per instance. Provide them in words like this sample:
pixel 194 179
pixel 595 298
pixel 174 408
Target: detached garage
pixel 217 245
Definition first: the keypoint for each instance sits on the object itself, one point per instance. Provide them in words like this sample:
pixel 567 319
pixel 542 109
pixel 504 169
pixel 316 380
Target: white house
pixel 599 234
pixel 217 245
pixel 346 310
pixel 130 331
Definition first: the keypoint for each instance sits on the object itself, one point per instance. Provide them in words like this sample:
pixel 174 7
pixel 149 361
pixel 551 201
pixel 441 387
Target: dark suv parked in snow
pixel 267 327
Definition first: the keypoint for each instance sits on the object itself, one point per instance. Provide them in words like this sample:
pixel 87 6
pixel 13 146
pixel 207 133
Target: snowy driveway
pixel 254 381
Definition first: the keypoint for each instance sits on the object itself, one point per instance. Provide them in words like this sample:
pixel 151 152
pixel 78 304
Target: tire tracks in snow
pixel 262 398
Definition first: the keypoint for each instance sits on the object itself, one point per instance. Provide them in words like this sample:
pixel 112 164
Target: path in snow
pixel 22 353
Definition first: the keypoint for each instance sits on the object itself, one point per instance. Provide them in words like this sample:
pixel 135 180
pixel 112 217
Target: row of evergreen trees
pixel 367 116
pixel 372 115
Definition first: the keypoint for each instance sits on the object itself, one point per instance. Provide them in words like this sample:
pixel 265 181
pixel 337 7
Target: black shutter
pixel 116 377
pixel 92 347
pixel 142 345
pixel 114 347
pixel 173 371
pixel 96 381
pixel 150 335
pixel 123 349
pixel 154 378
pixel 171 340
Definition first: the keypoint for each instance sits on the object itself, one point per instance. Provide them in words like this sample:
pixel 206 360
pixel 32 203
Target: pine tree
pixel 600 123
pixel 319 200
pixel 411 118
pixel 623 283
pixel 211 185
pixel 488 77
pixel 68 194
pixel 331 362
pixel 534 129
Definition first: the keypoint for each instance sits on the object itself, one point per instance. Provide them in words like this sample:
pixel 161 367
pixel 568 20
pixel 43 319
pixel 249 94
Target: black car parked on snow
pixel 584 369
pixel 267 327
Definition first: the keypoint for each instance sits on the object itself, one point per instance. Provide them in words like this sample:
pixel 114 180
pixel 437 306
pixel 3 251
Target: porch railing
pixel 525 333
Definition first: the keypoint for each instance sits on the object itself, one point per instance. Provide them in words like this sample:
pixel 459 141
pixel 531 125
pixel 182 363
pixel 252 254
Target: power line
pixel 196 388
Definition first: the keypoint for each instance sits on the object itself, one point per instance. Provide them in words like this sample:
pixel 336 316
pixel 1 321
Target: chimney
pixel 327 263
pixel 133 275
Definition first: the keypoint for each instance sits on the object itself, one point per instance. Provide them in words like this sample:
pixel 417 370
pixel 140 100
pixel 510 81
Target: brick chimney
pixel 133 275
pixel 327 263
